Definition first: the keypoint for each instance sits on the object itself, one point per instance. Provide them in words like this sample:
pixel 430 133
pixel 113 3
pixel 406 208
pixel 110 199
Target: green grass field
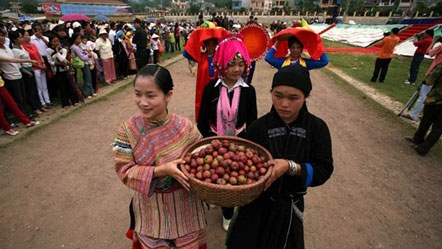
pixel 361 66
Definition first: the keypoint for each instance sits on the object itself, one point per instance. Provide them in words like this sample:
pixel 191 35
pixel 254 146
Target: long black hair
pixel 160 74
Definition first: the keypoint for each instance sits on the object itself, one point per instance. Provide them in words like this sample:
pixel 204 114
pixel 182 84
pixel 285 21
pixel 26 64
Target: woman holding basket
pixel 164 213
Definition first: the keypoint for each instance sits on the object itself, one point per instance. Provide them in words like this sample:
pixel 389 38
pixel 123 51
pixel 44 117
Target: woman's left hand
pixel 171 169
pixel 280 167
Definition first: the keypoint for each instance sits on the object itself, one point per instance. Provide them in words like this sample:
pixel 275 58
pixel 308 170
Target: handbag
pixel 77 62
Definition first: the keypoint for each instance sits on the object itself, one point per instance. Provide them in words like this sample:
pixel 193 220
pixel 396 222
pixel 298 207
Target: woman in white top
pixel 28 76
pixel 104 48
pixel 57 58
pixel 12 75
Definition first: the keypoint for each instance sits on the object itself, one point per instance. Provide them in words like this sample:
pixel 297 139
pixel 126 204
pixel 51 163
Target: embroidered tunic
pixel 162 207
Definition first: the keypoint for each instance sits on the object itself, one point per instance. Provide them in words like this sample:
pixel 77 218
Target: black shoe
pixel 372 80
pixel 412 140
pixel 420 151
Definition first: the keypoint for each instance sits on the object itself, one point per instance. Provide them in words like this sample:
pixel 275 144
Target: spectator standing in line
pixel 422 42
pixel 121 54
pixel 11 74
pixel 104 47
pixel 177 34
pixel 76 50
pixel 32 98
pixel 425 88
pixel 384 58
pixel 58 59
pixel 41 43
pixel 172 41
pixel 142 54
pixel 166 38
pixel 155 47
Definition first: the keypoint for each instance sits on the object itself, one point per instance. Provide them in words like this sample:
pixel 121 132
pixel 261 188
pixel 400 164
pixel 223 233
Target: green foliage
pixel 437 9
pixel 29 7
pixel 360 67
pixel 193 9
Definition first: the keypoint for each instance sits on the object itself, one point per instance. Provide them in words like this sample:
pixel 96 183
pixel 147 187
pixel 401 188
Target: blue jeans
pixel 419 105
pixel 87 78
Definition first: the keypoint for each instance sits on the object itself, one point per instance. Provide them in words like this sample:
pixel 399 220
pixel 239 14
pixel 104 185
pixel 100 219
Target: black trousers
pixel 31 92
pixel 432 118
pixel 16 89
pixel 142 57
pixel 381 65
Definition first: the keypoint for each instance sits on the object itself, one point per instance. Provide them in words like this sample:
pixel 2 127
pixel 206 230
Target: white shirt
pixel 104 47
pixel 40 44
pixel 11 71
pixel 111 36
pixel 239 83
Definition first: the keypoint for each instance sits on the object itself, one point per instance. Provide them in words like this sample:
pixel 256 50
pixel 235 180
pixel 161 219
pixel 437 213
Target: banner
pixel 92 10
pixel 51 9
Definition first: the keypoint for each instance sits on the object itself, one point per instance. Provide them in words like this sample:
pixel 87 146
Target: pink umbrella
pixel 74 17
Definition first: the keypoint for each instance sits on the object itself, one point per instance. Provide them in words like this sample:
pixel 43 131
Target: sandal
pixel 32 123
pixel 11 132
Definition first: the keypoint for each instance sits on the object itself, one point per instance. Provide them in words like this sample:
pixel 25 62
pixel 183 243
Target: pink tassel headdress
pixel 229 48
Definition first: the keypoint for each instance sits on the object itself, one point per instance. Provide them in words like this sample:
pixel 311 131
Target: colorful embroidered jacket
pixel 162 207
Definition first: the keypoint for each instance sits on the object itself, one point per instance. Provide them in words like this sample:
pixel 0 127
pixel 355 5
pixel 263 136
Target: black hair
pixel 294 39
pixel 160 74
pixel 13 36
pixel 395 31
pixel 36 24
pixel 2 32
pixel 73 38
pixel 429 32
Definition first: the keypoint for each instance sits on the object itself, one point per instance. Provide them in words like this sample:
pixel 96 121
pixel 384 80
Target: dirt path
pixel 59 190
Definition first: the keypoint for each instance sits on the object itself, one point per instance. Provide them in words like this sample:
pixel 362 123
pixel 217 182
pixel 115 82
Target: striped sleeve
pixel 136 177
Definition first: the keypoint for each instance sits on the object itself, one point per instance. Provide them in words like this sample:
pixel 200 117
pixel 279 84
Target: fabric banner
pixel 51 9
pixel 92 10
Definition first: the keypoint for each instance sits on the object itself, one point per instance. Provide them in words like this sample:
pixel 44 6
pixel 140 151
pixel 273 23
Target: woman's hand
pixel 171 169
pixel 280 167
pixel 276 43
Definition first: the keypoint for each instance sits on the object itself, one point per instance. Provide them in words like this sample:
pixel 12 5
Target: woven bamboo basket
pixel 227 195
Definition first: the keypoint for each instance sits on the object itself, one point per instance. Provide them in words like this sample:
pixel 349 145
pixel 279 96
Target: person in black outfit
pixel 120 52
pixel 300 144
pixel 142 54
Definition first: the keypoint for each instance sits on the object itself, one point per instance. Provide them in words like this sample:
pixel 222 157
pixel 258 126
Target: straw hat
pixel 76 25
pixel 155 36
pixel 102 32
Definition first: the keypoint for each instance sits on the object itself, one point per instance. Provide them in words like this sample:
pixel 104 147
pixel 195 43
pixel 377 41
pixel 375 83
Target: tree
pixel 29 7
pixel 193 9
pixel 437 9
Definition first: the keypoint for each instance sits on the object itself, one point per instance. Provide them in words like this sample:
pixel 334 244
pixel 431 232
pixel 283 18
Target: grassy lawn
pixel 361 66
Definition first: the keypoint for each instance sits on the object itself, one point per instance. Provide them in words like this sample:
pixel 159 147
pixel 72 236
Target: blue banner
pixel 92 10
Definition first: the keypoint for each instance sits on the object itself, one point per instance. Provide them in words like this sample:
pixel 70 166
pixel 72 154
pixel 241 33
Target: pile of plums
pixel 225 162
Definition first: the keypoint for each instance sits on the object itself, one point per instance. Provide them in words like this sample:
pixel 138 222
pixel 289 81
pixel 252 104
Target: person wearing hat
pixel 142 54
pixel 104 47
pixel 155 44
pixel 121 53
pixel 295 56
pixel 301 148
